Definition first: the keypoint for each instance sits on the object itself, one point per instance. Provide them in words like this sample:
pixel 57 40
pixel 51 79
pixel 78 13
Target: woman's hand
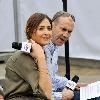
pixel 37 50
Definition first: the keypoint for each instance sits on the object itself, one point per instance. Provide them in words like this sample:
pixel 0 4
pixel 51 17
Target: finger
pixel 77 88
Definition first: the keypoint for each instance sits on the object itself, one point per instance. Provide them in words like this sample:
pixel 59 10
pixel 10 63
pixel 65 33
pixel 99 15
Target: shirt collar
pixel 52 47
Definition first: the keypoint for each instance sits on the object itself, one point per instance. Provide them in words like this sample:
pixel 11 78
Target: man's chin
pixel 59 44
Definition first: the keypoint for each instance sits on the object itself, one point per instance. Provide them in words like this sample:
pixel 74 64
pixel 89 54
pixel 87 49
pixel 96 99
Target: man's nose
pixel 66 34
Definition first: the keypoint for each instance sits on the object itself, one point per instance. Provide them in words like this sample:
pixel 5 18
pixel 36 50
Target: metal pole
pixel 15 9
pixel 67 62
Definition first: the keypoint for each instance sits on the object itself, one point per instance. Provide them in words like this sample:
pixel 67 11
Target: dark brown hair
pixel 33 22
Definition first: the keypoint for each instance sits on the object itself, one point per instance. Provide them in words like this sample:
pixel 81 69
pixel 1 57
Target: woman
pixel 27 75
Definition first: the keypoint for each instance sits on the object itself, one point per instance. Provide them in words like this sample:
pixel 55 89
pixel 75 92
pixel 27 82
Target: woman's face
pixel 43 33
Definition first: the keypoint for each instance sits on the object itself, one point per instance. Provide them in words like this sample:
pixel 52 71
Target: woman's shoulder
pixel 22 55
pixel 19 56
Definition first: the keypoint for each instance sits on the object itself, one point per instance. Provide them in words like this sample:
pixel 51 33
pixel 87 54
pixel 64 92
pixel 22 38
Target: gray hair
pixel 62 14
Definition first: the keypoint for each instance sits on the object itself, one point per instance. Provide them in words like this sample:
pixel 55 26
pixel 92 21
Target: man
pixel 63 24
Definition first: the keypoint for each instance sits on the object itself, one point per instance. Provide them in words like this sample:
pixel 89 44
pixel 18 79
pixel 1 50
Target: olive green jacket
pixel 22 78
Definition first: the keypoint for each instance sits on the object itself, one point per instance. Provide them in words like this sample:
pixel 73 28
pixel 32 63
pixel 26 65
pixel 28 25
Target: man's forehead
pixel 65 19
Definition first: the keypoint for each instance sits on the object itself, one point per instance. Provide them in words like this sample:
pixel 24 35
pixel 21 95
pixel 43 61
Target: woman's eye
pixel 45 28
pixel 41 28
pixel 49 28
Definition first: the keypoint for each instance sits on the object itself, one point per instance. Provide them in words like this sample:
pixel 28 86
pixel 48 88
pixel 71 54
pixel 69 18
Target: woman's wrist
pixel 43 70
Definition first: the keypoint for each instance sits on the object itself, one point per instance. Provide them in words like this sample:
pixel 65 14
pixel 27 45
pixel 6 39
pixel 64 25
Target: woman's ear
pixel 32 35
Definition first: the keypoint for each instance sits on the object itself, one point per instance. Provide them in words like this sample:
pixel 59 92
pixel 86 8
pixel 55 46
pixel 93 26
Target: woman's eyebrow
pixel 41 26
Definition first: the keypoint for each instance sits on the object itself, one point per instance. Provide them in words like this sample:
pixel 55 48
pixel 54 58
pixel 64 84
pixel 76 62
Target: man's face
pixel 62 30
